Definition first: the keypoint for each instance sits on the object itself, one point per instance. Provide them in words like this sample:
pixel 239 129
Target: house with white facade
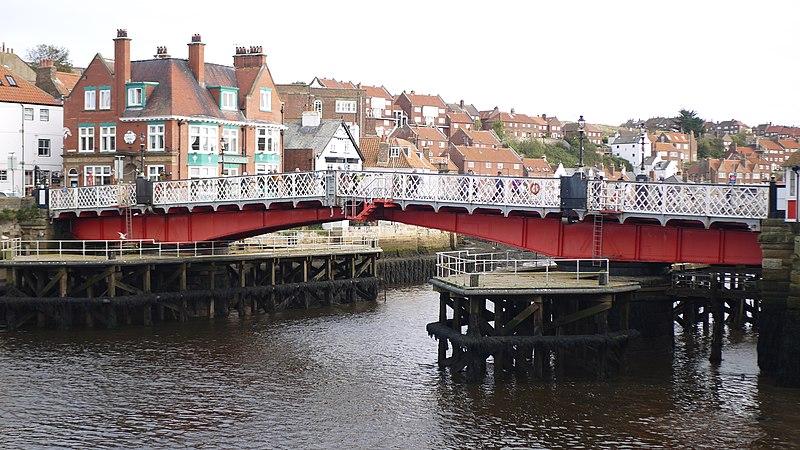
pixel 316 144
pixel 628 146
pixel 31 134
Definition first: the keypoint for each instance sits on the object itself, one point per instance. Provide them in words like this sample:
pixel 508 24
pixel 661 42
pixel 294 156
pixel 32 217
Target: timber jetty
pixel 61 284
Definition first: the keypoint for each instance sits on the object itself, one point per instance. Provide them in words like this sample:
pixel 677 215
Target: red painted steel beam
pixel 640 242
pixel 185 226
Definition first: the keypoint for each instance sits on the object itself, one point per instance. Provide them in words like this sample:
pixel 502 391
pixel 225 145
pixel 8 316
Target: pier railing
pixel 707 202
pixel 284 243
pixel 467 263
pixel 679 199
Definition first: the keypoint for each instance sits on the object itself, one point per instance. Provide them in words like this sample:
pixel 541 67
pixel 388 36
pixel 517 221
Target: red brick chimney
pixel 122 66
pixel 197 63
pixel 46 63
pixel 254 57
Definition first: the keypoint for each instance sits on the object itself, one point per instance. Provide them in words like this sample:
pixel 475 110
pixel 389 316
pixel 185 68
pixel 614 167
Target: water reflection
pixel 362 377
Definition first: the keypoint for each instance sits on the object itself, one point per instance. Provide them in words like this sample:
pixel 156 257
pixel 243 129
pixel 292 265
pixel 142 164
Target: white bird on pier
pixel 122 236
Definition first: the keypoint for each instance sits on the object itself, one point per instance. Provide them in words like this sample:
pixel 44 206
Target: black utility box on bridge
pixel 144 191
pixel 573 191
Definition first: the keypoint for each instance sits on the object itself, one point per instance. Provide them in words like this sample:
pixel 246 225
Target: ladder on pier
pixel 128 214
pixel 597 237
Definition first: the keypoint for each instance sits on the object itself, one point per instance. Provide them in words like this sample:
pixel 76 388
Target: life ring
pixel 534 188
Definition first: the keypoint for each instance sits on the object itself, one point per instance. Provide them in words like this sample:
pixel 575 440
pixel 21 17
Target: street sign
pixel 129 137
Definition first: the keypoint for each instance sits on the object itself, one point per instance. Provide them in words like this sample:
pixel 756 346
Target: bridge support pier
pixel 532 333
pixel 144 291
pixel 779 318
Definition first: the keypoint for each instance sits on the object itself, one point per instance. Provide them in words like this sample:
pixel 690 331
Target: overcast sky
pixel 607 60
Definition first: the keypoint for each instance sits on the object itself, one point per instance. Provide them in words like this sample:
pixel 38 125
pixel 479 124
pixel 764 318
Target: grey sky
pixel 608 60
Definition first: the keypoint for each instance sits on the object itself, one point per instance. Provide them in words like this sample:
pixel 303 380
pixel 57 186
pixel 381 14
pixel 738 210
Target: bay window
pixel 203 138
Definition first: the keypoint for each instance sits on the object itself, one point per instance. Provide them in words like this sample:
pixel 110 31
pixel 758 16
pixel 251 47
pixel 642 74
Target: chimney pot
pixel 122 33
pixel 461 103
pixel 196 38
pixel 45 62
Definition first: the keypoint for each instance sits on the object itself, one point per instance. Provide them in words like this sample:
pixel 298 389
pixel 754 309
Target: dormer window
pixel 11 80
pixel 394 152
pixel 135 96
pixel 227 100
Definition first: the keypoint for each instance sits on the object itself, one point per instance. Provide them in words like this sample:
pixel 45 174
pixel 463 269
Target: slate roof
pixel 627 138
pixel 297 136
pixel 23 92
pixel 178 92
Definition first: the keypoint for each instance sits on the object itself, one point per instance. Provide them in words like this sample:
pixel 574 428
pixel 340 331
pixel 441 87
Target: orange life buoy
pixel 534 188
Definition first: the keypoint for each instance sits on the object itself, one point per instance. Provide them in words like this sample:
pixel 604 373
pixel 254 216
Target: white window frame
pixel 108 139
pixel 470 164
pixel 230 172
pixel 133 99
pixel 105 99
pixel 227 100
pixel 27 113
pixel 90 100
pixel 207 138
pixel 154 172
pixel 3 175
pixel 102 171
pixel 44 115
pixel 202 171
pixel 265 100
pixel 39 147
pixel 155 137
pixel 85 139
pixel 230 136
pixel 346 106
pixel 394 152
pixel 488 165
pixel 318 107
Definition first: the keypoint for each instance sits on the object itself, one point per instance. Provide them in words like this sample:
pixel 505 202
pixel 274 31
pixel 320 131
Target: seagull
pixel 122 236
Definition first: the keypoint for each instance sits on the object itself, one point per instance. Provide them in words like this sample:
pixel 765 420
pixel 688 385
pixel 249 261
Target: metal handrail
pixel 466 263
pixel 15 248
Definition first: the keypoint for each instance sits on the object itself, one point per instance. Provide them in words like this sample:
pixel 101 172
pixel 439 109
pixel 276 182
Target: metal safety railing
pixel 466 263
pixel 272 244
pixel 708 281
pixel 721 202
pixel 679 199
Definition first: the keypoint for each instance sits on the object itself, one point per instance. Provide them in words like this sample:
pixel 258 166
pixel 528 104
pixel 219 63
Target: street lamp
pixel 581 131
pixel 223 147
pixel 642 176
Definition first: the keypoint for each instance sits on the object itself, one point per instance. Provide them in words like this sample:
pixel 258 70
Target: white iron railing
pixel 507 193
pixel 293 243
pixel 93 197
pixel 465 263
pixel 679 199
pixel 294 185
pixel 452 189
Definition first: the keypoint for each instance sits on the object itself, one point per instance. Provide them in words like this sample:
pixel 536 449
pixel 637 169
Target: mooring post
pixel 443 297
pixel 718 326
pixel 63 282
pixel 477 363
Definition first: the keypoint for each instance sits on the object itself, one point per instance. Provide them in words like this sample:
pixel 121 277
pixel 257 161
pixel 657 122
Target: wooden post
pixel 63 282
pixel 718 326
pixel 112 281
pixel 146 281
pixel 477 363
pixel 443 297
pixel 538 327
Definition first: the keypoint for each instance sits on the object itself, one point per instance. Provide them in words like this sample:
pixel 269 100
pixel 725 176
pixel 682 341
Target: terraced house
pixel 172 118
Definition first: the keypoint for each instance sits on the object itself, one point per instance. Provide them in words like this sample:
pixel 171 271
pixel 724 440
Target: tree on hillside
pixel 688 121
pixel 59 56
pixel 710 148
pixel 498 128
pixel 739 139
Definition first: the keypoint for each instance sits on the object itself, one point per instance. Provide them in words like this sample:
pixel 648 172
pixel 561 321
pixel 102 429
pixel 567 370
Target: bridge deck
pixel 531 283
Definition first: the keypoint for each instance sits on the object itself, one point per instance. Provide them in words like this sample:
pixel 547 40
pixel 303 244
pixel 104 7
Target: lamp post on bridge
pixel 642 176
pixel 581 132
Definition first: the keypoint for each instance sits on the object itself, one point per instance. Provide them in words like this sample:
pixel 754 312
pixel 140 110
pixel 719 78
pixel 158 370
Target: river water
pixel 362 377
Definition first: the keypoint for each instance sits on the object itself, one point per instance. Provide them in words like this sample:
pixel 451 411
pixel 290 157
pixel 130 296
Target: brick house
pixel 476 138
pixel 537 167
pixel 458 120
pixel 554 127
pixel 592 133
pixel 422 110
pixel 427 139
pixel 732 126
pixel 394 155
pixel 466 108
pixel 341 100
pixel 171 118
pixel 517 126
pixel 56 83
pixel 772 152
pixel 729 171
pixel 486 161
pixel 314 144
pixel 674 146
pixel 379 116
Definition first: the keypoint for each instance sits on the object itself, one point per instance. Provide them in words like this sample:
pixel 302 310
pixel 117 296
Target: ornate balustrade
pixel 705 202
pixel 679 199
pixel 242 189
pixel 93 197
